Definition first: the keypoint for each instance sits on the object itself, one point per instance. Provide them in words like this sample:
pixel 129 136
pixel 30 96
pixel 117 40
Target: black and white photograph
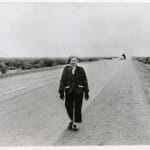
pixel 74 74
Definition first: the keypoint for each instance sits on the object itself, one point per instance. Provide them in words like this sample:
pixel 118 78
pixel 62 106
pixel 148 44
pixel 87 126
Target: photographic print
pixel 74 74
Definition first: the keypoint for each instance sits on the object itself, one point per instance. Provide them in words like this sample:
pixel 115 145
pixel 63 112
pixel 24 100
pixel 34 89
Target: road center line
pixel 20 88
pixel 15 90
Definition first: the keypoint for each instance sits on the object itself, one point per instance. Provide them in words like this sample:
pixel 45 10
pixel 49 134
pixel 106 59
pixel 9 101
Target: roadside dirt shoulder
pixel 143 71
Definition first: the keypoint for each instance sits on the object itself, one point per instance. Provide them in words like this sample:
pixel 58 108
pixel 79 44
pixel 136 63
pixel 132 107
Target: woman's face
pixel 73 61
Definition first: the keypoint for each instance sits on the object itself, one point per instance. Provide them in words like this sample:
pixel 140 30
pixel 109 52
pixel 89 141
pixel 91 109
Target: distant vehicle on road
pixel 123 56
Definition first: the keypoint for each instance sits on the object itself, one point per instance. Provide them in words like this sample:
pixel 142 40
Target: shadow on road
pixel 65 136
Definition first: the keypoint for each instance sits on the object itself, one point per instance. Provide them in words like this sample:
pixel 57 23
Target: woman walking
pixel 73 86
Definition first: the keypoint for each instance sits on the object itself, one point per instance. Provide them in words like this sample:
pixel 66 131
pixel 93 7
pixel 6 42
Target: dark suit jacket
pixel 73 83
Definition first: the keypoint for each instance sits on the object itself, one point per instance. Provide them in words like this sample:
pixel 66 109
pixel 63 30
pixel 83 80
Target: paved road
pixel 118 112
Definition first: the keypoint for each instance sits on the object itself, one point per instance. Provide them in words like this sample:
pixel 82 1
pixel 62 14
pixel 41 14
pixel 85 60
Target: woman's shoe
pixel 74 127
pixel 70 125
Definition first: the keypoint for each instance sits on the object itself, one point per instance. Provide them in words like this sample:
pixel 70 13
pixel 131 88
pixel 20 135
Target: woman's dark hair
pixel 69 59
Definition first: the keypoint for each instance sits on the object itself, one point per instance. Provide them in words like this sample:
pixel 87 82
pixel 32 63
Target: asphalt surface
pixel 117 113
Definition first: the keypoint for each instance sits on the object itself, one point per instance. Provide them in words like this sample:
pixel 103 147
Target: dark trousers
pixel 74 102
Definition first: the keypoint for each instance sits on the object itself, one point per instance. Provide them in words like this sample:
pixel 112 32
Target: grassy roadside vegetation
pixel 12 64
pixel 145 60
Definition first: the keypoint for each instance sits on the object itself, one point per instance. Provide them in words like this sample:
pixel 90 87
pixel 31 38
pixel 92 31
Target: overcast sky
pixel 62 29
